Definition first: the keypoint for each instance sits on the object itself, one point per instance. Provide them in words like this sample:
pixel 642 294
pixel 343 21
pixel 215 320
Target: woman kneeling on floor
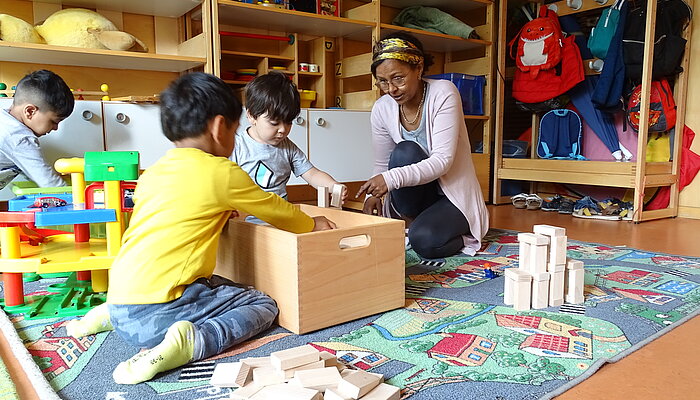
pixel 423 166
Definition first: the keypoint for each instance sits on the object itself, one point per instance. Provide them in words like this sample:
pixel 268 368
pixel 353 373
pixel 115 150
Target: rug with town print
pixel 454 334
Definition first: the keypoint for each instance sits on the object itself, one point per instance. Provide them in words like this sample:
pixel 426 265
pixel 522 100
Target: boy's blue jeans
pixel 223 312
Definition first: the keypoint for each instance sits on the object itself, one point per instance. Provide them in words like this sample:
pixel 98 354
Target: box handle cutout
pixel 354 242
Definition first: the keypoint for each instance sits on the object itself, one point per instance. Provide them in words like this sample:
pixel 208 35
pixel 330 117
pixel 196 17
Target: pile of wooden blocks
pixel 300 373
pixel 544 277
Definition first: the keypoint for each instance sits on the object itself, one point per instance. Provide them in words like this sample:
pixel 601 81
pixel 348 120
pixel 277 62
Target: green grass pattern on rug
pixel 454 338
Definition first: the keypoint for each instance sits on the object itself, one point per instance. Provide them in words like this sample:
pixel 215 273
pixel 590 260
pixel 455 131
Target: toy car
pixel 46 202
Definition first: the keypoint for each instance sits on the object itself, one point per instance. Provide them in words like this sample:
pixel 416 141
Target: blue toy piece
pixel 66 215
pixel 488 272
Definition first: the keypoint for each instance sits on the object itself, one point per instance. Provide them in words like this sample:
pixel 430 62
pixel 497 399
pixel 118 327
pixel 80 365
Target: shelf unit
pixel 313 42
pixel 638 175
pixel 177 39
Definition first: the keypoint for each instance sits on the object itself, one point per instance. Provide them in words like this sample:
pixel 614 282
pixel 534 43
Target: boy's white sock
pixel 176 349
pixel 95 321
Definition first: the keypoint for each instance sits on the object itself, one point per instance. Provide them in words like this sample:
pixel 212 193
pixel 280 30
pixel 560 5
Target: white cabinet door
pixel 340 143
pixel 298 135
pixel 80 132
pixel 130 127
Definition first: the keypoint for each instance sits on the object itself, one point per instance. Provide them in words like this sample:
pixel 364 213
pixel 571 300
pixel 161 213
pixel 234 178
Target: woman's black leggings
pixel 438 226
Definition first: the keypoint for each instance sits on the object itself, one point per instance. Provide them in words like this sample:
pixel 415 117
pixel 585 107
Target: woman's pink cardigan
pixel 450 158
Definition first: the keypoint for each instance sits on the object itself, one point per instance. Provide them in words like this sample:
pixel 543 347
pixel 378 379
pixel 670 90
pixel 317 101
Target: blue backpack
pixel 560 135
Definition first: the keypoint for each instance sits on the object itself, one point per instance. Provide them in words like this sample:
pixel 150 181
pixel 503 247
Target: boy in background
pixel 41 101
pixel 162 292
pixel 264 150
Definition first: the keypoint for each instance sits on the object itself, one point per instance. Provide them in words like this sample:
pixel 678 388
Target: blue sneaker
pixel 553 204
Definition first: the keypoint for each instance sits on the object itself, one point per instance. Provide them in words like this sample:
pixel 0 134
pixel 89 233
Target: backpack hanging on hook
pixel 539 43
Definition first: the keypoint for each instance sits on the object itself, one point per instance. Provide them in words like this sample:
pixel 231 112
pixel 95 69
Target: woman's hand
pixel 373 206
pixel 375 186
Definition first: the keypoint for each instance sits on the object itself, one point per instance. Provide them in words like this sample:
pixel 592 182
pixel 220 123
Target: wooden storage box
pixel 319 279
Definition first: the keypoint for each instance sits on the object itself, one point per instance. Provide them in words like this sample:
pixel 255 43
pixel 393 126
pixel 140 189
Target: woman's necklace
pixel 420 107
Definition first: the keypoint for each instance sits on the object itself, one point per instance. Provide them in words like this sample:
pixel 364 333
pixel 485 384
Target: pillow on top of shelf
pixel 13 29
pixel 69 27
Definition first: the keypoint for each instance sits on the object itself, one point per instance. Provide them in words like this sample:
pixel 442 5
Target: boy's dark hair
pixel 275 95
pixel 191 101
pixel 427 57
pixel 47 91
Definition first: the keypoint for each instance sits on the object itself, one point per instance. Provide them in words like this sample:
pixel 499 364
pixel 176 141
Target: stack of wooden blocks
pixel 300 373
pixel 544 277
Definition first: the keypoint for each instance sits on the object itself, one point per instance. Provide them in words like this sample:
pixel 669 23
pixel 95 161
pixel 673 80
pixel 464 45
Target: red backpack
pixel 539 43
pixel 562 66
pixel 662 107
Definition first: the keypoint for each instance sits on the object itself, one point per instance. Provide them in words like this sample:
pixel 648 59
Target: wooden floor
pixel 665 368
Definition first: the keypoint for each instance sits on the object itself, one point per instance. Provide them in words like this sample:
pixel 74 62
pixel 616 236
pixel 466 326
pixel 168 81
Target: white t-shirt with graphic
pixel 269 166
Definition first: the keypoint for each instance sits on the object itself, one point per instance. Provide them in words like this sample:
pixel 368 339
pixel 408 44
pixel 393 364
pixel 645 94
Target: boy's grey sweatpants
pixel 223 312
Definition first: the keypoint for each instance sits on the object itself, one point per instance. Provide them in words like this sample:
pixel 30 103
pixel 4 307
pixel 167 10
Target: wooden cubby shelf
pixel 60 55
pixel 274 19
pixel 274 57
pixel 439 41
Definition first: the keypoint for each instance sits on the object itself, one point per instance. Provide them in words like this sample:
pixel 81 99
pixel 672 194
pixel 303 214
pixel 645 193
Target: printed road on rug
pixel 454 335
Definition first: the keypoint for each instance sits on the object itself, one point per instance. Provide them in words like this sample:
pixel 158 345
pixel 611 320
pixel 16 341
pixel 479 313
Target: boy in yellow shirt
pixel 162 294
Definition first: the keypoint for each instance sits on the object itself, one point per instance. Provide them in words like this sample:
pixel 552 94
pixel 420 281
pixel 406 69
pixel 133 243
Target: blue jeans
pixel 438 225
pixel 223 312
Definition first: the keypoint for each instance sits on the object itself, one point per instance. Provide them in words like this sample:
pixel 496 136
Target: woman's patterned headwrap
pixel 397 49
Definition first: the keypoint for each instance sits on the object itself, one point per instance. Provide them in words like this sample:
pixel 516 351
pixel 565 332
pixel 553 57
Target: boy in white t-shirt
pixel 41 101
pixel 264 150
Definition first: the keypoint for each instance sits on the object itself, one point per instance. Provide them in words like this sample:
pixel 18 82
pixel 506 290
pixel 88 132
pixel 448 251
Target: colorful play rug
pixel 453 339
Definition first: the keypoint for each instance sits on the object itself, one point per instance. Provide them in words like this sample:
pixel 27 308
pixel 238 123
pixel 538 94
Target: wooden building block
pixel 338 284
pixel 294 357
pixel 385 391
pixel 533 238
pixel 549 230
pixel 319 379
pixel 508 284
pixel 287 392
pixel 347 372
pixel 246 392
pixel 573 264
pixel 556 287
pixel 329 360
pixel 523 255
pixel 521 294
pixel 337 196
pixel 257 362
pixel 539 256
pixel 358 384
pixel 231 374
pixel 332 394
pixel 574 286
pixel 267 376
pixel 512 276
pixel 540 290
pixel 557 250
pixel 322 196
pixel 289 373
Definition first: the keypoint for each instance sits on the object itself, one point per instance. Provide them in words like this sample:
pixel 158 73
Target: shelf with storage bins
pixel 313 43
pixel 633 175
pixel 177 41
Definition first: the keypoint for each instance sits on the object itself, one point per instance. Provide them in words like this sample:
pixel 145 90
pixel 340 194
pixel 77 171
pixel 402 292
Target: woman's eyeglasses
pixel 397 82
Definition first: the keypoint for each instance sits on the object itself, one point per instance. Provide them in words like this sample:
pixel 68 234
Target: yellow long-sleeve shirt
pixel 181 205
